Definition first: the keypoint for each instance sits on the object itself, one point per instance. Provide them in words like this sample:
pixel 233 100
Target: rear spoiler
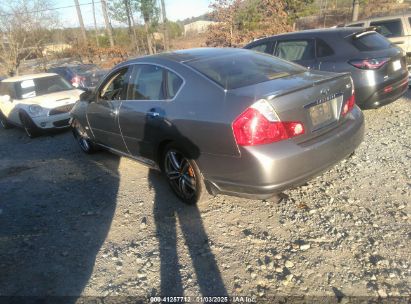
pixel 366 31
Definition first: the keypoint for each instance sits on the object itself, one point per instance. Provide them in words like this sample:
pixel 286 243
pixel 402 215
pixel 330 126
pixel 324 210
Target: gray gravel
pixel 100 225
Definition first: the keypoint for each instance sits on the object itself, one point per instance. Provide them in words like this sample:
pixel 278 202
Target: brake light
pixel 77 80
pixel 349 105
pixel 369 64
pixel 259 124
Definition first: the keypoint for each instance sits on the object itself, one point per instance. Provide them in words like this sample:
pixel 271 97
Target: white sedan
pixel 36 102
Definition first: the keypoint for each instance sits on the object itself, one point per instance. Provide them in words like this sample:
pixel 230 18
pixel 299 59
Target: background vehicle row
pixel 378 68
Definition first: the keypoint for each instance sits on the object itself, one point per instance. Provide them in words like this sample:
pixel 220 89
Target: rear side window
pixel 370 41
pixel 295 50
pixel 173 83
pixel 244 68
pixel 389 28
pixel 263 48
pixel 323 49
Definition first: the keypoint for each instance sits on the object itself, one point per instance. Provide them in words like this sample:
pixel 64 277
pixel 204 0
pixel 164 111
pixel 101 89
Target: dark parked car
pixel 377 66
pixel 227 121
pixel 80 75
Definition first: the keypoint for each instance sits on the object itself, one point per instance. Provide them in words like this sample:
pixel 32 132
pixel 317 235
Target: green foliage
pixel 117 10
pixel 248 16
pixel 243 20
pixel 174 29
pixel 122 37
pixel 299 8
pixel 148 9
pixel 103 41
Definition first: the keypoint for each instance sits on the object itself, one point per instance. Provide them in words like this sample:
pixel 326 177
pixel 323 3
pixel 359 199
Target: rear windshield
pixel 242 69
pixel 84 68
pixel 40 86
pixel 370 42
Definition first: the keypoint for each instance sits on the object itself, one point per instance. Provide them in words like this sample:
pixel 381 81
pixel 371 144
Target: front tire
pixel 184 176
pixel 80 134
pixel 3 121
pixel 29 126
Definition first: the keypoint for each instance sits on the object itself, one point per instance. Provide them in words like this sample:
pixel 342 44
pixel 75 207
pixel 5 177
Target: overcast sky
pixel 176 10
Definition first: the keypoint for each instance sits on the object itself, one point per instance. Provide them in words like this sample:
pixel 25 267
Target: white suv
pixel 36 102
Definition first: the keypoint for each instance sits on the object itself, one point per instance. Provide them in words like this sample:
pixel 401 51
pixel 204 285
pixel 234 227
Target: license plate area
pixel 396 65
pixel 324 113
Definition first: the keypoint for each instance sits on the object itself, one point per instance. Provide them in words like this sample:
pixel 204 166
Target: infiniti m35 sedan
pixel 226 121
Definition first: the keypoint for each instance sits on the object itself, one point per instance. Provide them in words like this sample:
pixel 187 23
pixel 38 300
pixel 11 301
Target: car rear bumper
pixel 371 96
pixel 265 170
pixel 382 97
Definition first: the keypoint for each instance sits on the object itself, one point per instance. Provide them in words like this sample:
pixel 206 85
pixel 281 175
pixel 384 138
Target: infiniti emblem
pixel 325 91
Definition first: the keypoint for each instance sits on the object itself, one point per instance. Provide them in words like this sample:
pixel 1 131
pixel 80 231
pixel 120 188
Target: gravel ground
pixel 98 225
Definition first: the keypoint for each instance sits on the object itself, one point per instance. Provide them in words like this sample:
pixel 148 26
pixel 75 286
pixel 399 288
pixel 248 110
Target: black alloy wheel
pixel 3 121
pixel 82 138
pixel 183 176
pixel 29 126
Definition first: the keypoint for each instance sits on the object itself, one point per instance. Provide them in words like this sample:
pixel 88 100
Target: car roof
pixel 28 76
pixel 191 54
pixel 345 31
pixel 71 65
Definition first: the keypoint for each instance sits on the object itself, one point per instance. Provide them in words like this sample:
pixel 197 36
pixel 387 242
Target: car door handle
pixel 113 112
pixel 399 42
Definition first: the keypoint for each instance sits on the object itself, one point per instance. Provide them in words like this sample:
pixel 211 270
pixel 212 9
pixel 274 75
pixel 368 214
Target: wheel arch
pixel 161 151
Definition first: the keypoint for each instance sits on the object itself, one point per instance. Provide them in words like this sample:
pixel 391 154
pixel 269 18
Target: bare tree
pixel 80 20
pixel 107 22
pixel 24 29
pixel 95 23
pixel 149 12
pixel 165 28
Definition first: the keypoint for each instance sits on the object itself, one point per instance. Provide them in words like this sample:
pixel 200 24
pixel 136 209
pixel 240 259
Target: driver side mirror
pixel 87 96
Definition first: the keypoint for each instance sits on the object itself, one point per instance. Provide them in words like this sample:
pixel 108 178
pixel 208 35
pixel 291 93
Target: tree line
pixel 141 26
pixel 27 26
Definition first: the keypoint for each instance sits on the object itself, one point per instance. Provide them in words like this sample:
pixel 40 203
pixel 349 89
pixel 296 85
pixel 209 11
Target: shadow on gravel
pixel 56 208
pixel 407 96
pixel 169 212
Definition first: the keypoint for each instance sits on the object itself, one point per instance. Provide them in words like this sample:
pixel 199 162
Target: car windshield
pixel 40 86
pixel 243 69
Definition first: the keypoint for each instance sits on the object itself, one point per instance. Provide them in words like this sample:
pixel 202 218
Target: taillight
pixel 369 64
pixel 77 80
pixel 349 105
pixel 259 124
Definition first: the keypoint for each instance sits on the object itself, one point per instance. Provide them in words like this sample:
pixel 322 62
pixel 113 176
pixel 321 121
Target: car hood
pixel 53 100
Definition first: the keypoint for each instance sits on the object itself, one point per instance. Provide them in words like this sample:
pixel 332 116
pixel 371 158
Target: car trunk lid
pixel 313 98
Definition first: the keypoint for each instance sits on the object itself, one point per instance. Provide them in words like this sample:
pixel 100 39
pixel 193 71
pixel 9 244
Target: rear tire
pixel 184 176
pixel 29 126
pixel 3 121
pixel 80 134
